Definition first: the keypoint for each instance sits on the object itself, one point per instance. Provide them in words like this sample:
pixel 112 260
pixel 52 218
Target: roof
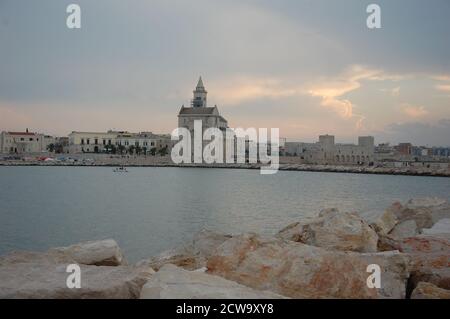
pixel 200 83
pixel 22 133
pixel 197 110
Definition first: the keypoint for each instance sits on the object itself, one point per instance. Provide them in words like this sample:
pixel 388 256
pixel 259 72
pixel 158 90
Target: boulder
pixel 407 228
pixel 335 231
pixel 424 211
pixel 430 259
pixel 387 243
pixel 439 229
pixel 191 256
pixel 301 271
pixel 439 208
pixel 206 241
pixel 44 276
pixel 182 257
pixel 426 290
pixel 382 221
pixel 172 282
pixel 100 253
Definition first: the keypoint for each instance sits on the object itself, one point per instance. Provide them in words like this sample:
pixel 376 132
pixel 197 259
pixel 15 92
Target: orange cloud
pixel 332 90
pixel 414 111
pixel 443 87
pixel 251 88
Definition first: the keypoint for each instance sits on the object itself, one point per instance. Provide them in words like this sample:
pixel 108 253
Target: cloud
pixel 332 90
pixel 444 84
pixel 239 89
pixel 414 111
pixel 395 91
pixel 443 87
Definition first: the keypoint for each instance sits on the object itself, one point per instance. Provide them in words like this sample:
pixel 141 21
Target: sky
pixel 308 67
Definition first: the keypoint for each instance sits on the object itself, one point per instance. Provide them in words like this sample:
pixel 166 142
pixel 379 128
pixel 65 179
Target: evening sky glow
pixel 306 67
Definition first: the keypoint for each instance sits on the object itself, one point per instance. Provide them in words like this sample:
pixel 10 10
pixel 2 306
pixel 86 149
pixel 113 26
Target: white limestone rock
pixel 425 211
pixel 192 256
pixel 334 230
pixel 439 229
pixel 297 270
pixel 100 253
pixel 426 290
pixel 382 221
pixel 44 276
pixel 407 228
pixel 172 282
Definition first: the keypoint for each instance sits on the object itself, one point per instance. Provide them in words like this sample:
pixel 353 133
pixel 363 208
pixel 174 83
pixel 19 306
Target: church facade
pixel 199 110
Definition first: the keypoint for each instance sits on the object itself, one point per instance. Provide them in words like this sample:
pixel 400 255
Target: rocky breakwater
pixel 323 257
pixel 104 274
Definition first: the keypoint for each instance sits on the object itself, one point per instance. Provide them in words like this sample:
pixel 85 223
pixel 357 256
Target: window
pixel 22 139
pixel 96 141
pixel 104 142
pixel 31 139
pixel 82 141
pixel 87 142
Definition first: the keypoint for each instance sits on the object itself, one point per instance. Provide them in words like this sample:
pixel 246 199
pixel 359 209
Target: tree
pixel 51 147
pixel 163 151
pixel 121 149
pixel 153 151
pixel 144 150
pixel 131 149
pixel 138 150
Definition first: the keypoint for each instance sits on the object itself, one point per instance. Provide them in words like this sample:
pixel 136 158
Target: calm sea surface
pixel 148 210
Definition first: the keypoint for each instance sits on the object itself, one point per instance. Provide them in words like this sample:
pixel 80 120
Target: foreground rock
pixel 100 253
pixel 426 290
pixel 300 271
pixel 44 276
pixel 171 282
pixel 424 211
pixel 439 229
pixel 430 259
pixel 407 228
pixel 334 230
pixel 190 257
pixel 382 221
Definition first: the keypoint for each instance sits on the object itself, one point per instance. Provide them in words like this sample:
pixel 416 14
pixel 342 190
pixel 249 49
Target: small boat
pixel 120 169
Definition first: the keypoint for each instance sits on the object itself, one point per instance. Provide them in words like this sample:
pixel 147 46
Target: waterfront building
pixel 117 142
pixel 326 151
pixel 24 142
pixel 404 148
pixel 199 110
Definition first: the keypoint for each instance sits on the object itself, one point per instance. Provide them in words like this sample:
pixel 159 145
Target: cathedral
pixel 199 110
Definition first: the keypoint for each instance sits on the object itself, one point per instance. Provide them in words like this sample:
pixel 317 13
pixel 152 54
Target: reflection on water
pixel 148 210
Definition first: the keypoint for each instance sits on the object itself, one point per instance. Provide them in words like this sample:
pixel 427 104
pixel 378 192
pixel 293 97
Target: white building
pixel 24 142
pixel 116 142
pixel 326 151
pixel 199 110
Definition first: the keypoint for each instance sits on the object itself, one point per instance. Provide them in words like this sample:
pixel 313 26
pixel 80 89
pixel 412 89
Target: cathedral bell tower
pixel 200 93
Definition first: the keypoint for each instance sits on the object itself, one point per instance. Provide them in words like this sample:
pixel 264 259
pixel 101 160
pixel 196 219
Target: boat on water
pixel 120 169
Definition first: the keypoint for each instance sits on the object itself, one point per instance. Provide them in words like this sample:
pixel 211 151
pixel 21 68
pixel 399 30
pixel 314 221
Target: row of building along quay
pixel 114 147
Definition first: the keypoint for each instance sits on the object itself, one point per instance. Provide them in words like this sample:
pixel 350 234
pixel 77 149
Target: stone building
pixel 116 141
pixel 199 110
pixel 24 142
pixel 326 151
